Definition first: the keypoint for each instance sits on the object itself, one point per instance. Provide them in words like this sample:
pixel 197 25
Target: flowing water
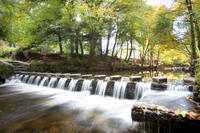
pixel 26 108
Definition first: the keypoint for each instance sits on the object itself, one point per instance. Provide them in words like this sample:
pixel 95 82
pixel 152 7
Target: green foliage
pixel 38 66
pixel 182 113
pixel 196 89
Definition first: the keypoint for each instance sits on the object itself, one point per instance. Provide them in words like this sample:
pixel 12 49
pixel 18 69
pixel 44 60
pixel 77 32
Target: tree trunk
pixel 198 33
pixel 81 46
pixel 108 42
pixel 194 54
pixel 100 46
pixel 126 51
pixel 72 47
pixel 131 50
pixel 76 46
pixel 93 44
pixel 116 38
pixel 60 42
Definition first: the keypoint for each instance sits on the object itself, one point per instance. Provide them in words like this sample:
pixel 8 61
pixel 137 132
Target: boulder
pixel 189 81
pixel 157 86
pixel 6 70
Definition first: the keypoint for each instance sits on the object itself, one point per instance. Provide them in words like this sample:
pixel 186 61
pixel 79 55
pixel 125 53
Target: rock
pixel 87 76
pixel 135 78
pixel 110 88
pixel 189 81
pixel 157 86
pixel 130 90
pixel 2 80
pixel 6 70
pixel 160 80
pixel 79 85
pixel 101 77
pixel 143 112
pixel 94 85
pixel 115 77
pixel 75 76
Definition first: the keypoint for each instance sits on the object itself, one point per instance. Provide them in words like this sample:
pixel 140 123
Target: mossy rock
pixel 6 70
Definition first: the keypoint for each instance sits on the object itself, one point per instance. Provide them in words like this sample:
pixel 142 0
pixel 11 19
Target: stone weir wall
pixel 115 86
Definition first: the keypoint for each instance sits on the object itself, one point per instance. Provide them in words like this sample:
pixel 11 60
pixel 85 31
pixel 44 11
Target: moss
pixel 38 66
pixel 196 89
pixel 6 69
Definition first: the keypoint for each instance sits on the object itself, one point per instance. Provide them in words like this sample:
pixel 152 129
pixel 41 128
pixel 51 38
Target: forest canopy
pixel 126 29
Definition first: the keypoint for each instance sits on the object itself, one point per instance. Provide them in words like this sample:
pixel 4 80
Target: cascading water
pixel 119 89
pixel 72 85
pixel 172 87
pixel 37 80
pixel 61 83
pixel 101 88
pixel 25 78
pixel 86 85
pixel 140 89
pixel 20 77
pixel 52 82
pixel 44 80
pixel 30 80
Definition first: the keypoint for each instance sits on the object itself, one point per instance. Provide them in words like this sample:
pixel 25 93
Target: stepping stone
pixel 87 76
pixel 75 76
pixel 101 77
pixel 160 80
pixel 189 81
pixel 115 77
pixel 135 78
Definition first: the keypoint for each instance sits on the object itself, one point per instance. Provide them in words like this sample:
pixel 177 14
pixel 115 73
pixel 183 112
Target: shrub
pixel 38 66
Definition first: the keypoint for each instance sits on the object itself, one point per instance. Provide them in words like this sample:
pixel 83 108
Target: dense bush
pixel 196 90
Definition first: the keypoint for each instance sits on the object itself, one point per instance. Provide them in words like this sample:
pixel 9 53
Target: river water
pixel 26 108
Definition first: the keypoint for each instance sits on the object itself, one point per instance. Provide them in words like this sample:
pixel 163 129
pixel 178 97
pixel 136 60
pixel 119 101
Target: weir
pixel 102 85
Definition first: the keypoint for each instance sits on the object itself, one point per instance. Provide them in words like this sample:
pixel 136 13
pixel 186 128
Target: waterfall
pixel 172 87
pixel 61 83
pixel 44 80
pixel 37 80
pixel 101 88
pixel 20 77
pixel 119 89
pixel 140 89
pixel 25 78
pixel 30 80
pixel 52 82
pixel 72 85
pixel 86 85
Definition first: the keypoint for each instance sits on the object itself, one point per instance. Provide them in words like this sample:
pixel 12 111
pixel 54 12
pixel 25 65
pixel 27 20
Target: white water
pixel 43 81
pixel 101 88
pixel 119 89
pixel 37 80
pixel 72 85
pixel 52 82
pixel 25 78
pixel 140 89
pixel 61 83
pixel 30 80
pixel 86 85
pixel 171 87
